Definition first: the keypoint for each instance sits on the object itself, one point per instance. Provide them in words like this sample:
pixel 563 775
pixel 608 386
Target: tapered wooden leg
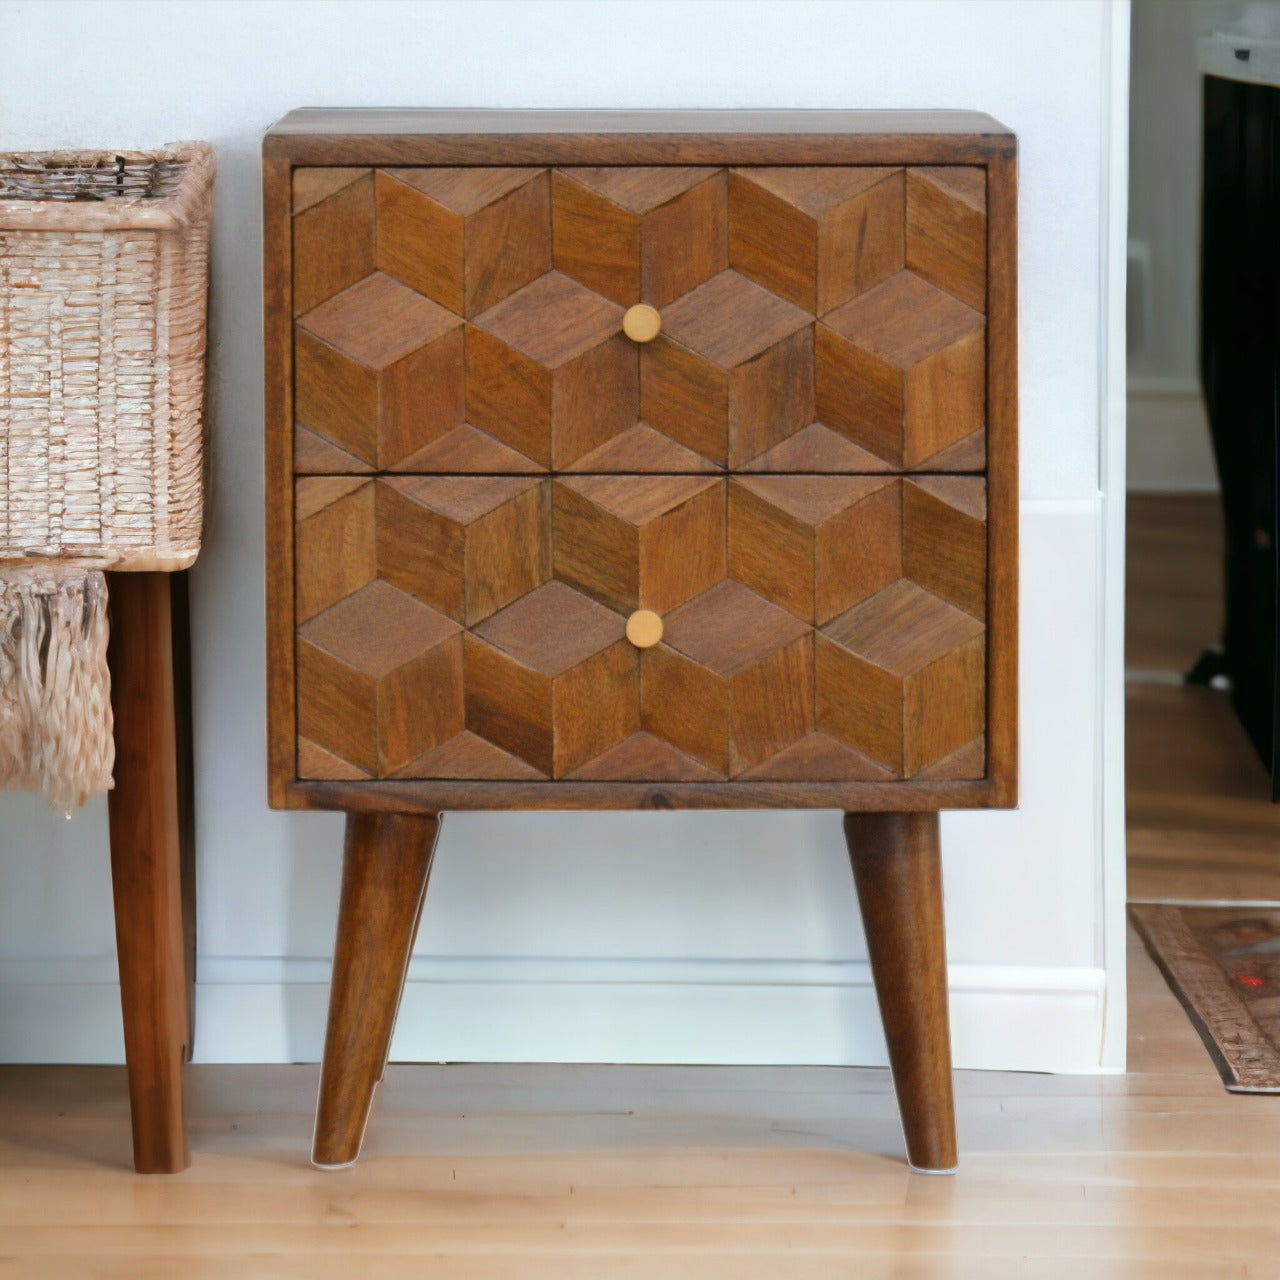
pixel 184 732
pixel 897 868
pixel 146 871
pixel 384 877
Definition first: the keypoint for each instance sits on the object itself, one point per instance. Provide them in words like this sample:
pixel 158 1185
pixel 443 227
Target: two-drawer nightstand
pixel 641 461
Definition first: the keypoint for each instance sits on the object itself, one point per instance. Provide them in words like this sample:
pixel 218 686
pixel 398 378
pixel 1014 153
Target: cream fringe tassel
pixel 55 692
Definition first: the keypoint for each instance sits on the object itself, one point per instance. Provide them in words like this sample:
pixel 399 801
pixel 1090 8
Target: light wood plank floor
pixel 1201 828
pixel 1200 825
pixel 487 1172
pixel 1173 579
pixel 536 1171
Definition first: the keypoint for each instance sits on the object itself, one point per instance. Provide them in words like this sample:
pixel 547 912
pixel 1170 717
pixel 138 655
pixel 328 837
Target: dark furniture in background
pixel 1240 365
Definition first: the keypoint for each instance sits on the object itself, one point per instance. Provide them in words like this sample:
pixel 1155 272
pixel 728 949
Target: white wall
pixel 667 937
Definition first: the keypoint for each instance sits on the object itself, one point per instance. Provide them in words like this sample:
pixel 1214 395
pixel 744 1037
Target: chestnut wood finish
pixel 1002 477
pixel 150 828
pixel 729 373
pixel 881 581
pixel 384 880
pixel 644 460
pixel 378 136
pixel 897 867
pixel 180 611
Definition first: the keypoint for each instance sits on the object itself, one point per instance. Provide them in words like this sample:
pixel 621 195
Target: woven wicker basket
pixel 103 288
pixel 104 274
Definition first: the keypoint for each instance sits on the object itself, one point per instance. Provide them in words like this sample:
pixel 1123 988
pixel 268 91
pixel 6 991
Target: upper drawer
pixel 826 319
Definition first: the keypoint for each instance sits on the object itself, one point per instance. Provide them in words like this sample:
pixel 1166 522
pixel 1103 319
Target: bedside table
pixel 641 461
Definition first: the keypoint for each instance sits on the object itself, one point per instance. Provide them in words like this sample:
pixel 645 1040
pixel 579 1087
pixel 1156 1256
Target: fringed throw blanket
pixel 55 693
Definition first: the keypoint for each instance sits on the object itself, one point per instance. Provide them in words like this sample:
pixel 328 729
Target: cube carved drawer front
pixel 813 627
pixel 807 319
pixel 641 461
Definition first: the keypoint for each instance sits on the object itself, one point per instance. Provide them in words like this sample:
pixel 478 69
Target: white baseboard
pixel 574 1010
pixel 1169 448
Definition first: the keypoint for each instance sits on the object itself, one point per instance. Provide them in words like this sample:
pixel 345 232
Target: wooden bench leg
pixel 898 871
pixel 384 878
pixel 146 870
pixel 180 611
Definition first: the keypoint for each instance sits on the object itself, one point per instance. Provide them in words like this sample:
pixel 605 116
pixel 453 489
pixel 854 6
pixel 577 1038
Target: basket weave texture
pixel 104 269
pixel 104 277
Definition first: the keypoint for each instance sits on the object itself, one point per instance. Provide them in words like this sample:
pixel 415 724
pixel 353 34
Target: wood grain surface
pixel 897 866
pixel 946 240
pixel 721 1171
pixel 640 234
pixel 278 413
pixel 818 236
pixel 1200 825
pixel 464 237
pixel 1173 580
pixel 716 1172
pixel 466 545
pixel 1002 478
pixel 333 231
pixel 632 542
pixel 413 136
pixel 385 868
pixel 146 827
pixel 550 373
pixel 817 545
pixel 543 575
pixel 901 370
pixel 877 337
pixel 732 373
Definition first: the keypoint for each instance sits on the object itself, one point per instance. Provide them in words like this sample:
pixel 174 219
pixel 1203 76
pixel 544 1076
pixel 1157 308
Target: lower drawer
pixel 641 628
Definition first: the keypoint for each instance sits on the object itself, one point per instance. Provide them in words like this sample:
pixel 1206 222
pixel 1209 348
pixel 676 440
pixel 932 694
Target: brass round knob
pixel 642 323
pixel 644 628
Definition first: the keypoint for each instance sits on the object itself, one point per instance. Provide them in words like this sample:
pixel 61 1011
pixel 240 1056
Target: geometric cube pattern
pixel 818 237
pixel 640 542
pixel 639 234
pixel 363 358
pixel 732 683
pixel 469 320
pixel 901 678
pixel 379 679
pixel 733 373
pixel 899 371
pixel 813 627
pixel 550 372
pixel 530 671
pixel 491 476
